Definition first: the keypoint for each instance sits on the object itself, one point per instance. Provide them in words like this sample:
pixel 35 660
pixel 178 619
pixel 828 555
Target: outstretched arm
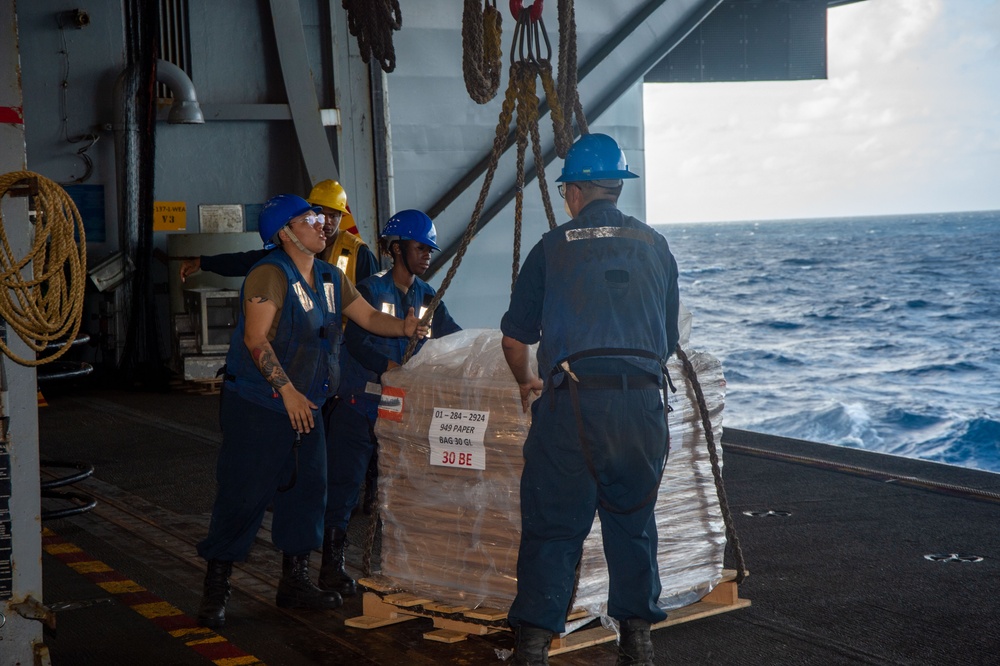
pixel 364 315
pixel 232 264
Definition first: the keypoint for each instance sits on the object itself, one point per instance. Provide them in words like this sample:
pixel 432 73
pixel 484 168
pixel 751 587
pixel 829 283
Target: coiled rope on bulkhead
pixel 372 22
pixel 47 307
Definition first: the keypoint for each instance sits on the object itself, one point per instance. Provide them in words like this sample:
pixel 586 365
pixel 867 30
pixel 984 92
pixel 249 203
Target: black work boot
pixel 634 646
pixel 215 594
pixel 295 590
pixel 532 646
pixel 331 571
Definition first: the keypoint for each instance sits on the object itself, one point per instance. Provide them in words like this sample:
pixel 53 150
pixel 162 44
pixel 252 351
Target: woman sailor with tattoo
pixel 281 367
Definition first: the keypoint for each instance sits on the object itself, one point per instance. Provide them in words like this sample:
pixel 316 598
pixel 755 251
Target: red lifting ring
pixel 517 6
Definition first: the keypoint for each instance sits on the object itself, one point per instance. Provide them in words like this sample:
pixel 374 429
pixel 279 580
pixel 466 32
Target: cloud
pixel 913 100
pixel 880 31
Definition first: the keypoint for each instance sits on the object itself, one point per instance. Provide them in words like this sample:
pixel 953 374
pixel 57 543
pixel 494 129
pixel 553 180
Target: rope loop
pixel 48 307
pixel 372 22
pixel 482 51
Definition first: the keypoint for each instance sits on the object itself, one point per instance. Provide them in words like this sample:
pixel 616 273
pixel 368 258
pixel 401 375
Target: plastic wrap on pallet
pixel 452 533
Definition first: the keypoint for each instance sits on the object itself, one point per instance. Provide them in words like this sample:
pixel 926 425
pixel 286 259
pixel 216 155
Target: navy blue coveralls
pixel 257 456
pixel 603 281
pixel 352 426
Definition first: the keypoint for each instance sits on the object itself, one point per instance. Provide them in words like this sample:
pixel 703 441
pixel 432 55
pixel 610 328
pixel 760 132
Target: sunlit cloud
pixel 908 121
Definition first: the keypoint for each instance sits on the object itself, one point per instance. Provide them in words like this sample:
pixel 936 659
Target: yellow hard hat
pixel 331 194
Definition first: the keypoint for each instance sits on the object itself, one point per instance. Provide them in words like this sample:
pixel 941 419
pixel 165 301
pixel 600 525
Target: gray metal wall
pixel 228 160
pixel 243 154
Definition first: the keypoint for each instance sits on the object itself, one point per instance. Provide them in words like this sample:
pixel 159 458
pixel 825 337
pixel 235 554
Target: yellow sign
pixel 169 216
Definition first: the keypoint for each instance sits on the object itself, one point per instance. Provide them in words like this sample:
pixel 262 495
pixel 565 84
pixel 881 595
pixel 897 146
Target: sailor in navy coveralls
pixel 408 237
pixel 599 294
pixel 281 367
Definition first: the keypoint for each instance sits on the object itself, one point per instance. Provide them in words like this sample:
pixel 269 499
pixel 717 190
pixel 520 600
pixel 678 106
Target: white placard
pixel 456 437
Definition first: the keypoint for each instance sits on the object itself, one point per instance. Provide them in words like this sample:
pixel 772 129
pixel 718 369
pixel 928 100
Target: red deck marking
pixel 11 115
pixel 170 619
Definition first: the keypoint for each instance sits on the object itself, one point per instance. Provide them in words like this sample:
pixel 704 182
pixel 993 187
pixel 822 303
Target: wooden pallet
pixel 388 605
pixel 200 386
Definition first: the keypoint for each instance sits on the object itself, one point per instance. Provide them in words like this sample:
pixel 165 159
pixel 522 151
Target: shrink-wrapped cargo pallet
pixel 450 433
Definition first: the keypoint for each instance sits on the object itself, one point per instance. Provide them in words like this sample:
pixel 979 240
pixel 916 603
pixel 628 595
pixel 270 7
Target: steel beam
pixel 20 499
pixel 291 40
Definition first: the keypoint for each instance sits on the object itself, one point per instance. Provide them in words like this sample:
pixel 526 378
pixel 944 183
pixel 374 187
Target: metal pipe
pixel 185 109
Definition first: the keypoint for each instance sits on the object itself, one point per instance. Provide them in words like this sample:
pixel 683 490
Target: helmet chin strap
pixel 402 255
pixel 296 241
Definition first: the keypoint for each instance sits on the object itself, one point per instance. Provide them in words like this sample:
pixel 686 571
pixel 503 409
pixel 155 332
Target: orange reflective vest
pixel 344 254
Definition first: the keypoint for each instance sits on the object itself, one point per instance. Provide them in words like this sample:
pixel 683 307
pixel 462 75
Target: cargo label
pixel 456 438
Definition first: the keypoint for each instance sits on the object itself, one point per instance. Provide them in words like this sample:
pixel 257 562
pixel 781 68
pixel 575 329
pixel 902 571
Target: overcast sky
pixel 907 122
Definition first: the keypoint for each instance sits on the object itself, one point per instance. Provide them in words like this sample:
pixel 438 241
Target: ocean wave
pixel 845 424
pixel 855 331
pixel 750 356
pixel 780 325
pixel 912 420
pixel 969 443
pixel 705 270
pixel 939 368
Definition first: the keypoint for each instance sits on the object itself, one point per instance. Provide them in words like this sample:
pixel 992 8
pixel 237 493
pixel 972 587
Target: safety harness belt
pixel 626 382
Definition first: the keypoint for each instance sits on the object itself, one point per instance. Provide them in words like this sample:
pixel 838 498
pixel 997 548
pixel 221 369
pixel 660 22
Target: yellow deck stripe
pixel 91 566
pixel 211 639
pixel 157 609
pixel 121 586
pixel 237 661
pixel 203 635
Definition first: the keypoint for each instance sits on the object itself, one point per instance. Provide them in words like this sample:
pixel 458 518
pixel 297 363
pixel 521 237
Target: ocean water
pixel 878 333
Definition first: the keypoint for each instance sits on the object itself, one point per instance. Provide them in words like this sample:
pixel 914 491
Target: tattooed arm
pixel 260 313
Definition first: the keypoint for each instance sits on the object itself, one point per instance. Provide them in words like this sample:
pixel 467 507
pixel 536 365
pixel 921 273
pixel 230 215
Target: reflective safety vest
pixel 607 277
pixel 344 254
pixel 306 342
pixel 362 387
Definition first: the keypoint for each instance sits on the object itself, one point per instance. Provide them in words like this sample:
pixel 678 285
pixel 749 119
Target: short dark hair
pixel 611 186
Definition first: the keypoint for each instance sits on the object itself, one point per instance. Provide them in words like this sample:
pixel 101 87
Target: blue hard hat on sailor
pixel 411 225
pixel 279 211
pixel 595 157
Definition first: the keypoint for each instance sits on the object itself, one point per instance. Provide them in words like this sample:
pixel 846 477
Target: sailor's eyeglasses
pixel 562 188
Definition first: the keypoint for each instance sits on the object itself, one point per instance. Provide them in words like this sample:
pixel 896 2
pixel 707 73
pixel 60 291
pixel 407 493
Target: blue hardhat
pixel 279 211
pixel 595 157
pixel 411 225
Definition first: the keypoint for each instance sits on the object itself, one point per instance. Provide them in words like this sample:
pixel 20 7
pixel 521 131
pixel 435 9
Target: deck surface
pixel 836 546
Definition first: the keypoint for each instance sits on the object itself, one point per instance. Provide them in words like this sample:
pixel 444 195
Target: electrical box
pixel 214 313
